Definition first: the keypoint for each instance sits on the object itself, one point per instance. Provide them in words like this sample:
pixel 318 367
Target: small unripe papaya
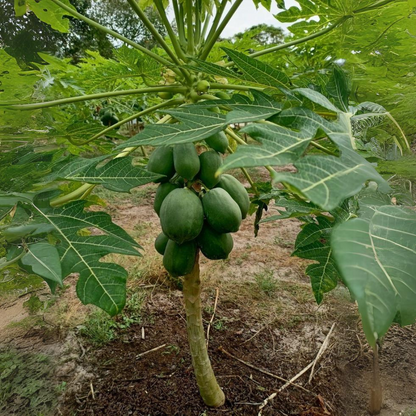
pixel 221 211
pixel 179 259
pixel 161 161
pixel 182 215
pixel 161 243
pixel 203 86
pixel 186 160
pixel 165 95
pixel 163 190
pixel 223 95
pixel 218 142
pixel 210 162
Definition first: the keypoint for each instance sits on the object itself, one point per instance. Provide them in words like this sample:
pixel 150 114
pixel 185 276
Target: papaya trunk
pixel 209 389
pixel 376 392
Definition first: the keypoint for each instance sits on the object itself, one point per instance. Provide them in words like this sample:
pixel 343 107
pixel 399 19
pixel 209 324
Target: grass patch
pixel 14 282
pixel 266 282
pixel 99 328
pixel 137 195
pixel 26 386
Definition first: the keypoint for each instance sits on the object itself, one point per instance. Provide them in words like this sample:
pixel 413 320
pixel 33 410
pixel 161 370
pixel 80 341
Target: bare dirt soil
pixel 265 316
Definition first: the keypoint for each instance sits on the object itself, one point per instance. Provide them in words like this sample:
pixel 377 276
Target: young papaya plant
pixel 189 114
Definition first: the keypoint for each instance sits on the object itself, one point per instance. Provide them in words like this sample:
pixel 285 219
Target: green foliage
pixel 376 257
pixel 266 282
pixel 26 383
pixel 296 112
pixel 313 243
pixel 116 175
pixel 99 329
pixel 68 251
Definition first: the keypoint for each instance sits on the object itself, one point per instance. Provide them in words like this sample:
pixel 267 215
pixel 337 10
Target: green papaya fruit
pixel 210 163
pixel 221 211
pixel 214 246
pixel 222 95
pixel 165 95
pixel 160 243
pixel 218 142
pixel 161 193
pixel 161 161
pixel 237 192
pixel 179 259
pixel 186 160
pixel 203 86
pixel 182 215
pixel 108 118
pixel 215 110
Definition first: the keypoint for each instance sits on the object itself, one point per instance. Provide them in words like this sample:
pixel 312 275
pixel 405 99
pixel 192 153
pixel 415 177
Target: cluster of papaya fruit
pixel 197 209
pixel 107 116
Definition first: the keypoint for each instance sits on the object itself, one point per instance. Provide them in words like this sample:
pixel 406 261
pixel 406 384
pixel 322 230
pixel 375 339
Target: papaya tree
pixel 191 92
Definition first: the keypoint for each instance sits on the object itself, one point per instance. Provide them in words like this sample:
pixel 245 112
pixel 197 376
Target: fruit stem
pixel 209 389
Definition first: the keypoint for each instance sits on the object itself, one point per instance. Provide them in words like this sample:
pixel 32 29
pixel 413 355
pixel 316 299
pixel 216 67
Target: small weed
pixel 171 349
pixel 26 384
pixel 283 242
pixel 28 322
pixel 293 322
pixel 34 304
pixel 99 328
pixel 137 195
pixel 219 324
pixel 266 282
pixel 61 387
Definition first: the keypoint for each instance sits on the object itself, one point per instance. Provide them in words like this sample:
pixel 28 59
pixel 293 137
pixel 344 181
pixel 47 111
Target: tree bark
pixel 208 386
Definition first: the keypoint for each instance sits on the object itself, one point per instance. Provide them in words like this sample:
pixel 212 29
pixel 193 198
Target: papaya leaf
pixel 117 175
pixel 17 172
pixel 317 98
pixel 377 259
pixel 313 243
pixel 100 283
pixel 15 85
pixel 293 208
pixel 196 124
pixel 245 110
pixel 338 87
pixel 325 180
pixel 19 7
pixel 51 13
pixel 43 259
pixel 369 199
pixel 328 180
pixel 267 4
pixel 280 146
pixel 258 72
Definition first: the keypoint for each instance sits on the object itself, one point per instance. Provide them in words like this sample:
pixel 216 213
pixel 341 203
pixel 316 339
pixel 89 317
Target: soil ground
pixel 60 360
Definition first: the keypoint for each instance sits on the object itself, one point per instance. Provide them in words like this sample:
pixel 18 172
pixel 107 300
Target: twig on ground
pixel 143 336
pixel 360 353
pixel 82 349
pixel 321 351
pixel 148 351
pixel 213 314
pixel 258 332
pixel 92 391
pixel 264 371
pixel 310 365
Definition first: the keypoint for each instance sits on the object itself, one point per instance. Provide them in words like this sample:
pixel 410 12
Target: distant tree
pixel 263 34
pixel 23 37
